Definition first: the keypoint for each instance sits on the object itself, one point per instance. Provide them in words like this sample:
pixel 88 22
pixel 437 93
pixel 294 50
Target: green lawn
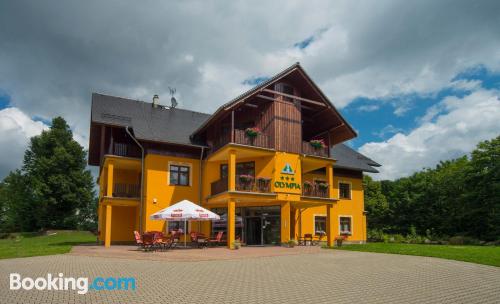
pixel 26 244
pixel 488 255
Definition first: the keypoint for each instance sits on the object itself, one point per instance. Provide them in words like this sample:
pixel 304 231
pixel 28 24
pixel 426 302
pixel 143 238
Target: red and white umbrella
pixel 183 211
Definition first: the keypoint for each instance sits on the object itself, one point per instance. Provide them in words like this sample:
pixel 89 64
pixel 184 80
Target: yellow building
pixel 271 162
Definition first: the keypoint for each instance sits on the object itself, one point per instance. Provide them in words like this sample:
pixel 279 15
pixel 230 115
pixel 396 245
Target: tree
pixel 16 204
pixel 375 203
pixel 61 186
pixel 483 197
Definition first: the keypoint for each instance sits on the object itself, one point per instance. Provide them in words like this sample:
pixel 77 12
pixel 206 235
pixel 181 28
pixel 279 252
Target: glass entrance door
pixel 262 225
pixel 253 230
pixel 271 227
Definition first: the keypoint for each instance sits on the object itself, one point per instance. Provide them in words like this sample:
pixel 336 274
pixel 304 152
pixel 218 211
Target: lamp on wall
pixel 154 200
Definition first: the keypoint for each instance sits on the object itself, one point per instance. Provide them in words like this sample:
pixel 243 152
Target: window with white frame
pixel 345 225
pixel 344 190
pixel 319 224
pixel 179 175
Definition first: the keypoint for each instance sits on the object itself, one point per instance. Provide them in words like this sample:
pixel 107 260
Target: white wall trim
pixel 350 189
pixel 352 224
pixel 314 221
pixel 185 164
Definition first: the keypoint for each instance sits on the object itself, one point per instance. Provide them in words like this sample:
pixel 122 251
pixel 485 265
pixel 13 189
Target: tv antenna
pixel 172 99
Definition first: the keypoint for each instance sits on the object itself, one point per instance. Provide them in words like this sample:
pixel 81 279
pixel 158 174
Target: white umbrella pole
pixel 185 233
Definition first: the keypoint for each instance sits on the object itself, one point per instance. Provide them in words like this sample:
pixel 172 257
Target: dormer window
pixel 286 89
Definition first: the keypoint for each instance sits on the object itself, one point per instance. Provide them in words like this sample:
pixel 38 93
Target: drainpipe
pixel 200 186
pixel 142 176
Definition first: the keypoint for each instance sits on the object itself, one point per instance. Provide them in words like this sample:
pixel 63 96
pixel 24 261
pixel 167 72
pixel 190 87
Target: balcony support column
pixel 109 186
pixel 329 177
pixel 231 223
pixel 285 222
pixel 231 170
pixel 107 237
pixel 330 226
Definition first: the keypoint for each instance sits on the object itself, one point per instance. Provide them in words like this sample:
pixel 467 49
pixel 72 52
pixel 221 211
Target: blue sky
pixel 377 119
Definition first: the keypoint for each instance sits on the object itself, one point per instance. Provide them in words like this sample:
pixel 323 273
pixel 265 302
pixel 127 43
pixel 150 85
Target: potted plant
pixel 339 240
pixel 236 244
pixel 252 132
pixel 263 183
pixel 322 187
pixel 308 187
pixel 245 181
pixel 317 144
pixel 290 244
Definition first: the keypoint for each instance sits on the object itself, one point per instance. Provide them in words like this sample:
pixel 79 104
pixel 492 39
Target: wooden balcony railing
pixel 218 186
pixel 262 186
pixel 126 190
pixel 262 140
pixel 123 149
pixel 315 191
pixel 310 150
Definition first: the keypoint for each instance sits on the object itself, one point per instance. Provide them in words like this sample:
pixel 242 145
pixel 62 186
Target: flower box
pixel 252 132
pixel 317 144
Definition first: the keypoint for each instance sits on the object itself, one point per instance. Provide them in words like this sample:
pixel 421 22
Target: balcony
pixel 308 149
pixel 124 149
pixel 126 190
pixel 315 190
pixel 262 140
pixel 260 185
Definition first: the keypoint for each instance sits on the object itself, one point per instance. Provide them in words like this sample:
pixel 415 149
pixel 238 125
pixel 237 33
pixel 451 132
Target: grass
pixel 487 255
pixel 29 244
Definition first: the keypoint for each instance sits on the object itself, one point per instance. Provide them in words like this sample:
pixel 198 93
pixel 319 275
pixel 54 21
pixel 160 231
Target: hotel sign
pixel 286 181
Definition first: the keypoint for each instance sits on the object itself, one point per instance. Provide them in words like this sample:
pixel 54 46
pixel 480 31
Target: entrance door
pixel 253 230
pixel 271 227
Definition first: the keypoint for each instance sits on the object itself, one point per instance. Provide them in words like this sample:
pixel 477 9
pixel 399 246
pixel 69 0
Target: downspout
pixel 142 176
pixel 200 180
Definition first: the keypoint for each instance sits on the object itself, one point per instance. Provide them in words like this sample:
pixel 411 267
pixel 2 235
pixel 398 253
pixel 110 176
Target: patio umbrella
pixel 184 210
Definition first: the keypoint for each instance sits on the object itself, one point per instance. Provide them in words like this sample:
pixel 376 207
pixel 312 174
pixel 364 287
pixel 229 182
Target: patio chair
pixel 216 241
pixel 148 241
pixel 307 239
pixel 159 241
pixel 138 240
pixel 174 239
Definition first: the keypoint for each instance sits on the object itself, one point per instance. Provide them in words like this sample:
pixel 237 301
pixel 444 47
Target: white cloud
pixel 64 50
pixel 16 128
pixel 455 132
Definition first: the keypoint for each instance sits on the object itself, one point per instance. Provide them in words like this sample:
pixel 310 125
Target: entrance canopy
pixel 184 210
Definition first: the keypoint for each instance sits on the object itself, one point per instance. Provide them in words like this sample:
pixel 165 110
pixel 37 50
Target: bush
pixel 463 240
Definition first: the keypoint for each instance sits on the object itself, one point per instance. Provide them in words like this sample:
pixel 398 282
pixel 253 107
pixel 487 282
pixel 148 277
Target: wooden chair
pixel 216 241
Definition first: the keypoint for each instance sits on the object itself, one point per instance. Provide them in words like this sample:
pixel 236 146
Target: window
pixel 319 224
pixel 179 175
pixel 176 226
pixel 345 190
pixel 247 168
pixel 345 225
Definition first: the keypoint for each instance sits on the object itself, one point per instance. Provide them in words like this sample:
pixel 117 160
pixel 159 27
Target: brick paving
pixel 324 276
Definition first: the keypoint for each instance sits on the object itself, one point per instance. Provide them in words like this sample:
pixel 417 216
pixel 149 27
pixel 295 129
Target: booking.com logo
pixel 60 282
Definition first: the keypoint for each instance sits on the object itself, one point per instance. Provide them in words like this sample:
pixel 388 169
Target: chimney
pixel 156 101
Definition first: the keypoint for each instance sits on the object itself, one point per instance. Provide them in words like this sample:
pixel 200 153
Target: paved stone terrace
pixel 326 276
pixel 191 254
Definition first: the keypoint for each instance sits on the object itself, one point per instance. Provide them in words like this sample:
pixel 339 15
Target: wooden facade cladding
pixel 287 126
pixel 280 120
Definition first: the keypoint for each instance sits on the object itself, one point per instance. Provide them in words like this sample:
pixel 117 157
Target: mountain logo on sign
pixel 287 169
